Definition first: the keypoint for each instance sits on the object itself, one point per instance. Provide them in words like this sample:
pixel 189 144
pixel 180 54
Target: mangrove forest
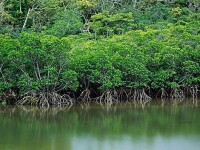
pixel 61 52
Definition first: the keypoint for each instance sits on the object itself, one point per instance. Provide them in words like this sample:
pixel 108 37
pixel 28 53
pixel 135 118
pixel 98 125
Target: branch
pixel 27 16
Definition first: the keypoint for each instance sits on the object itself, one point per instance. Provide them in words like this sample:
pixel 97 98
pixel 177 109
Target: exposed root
pixel 129 94
pixel 60 100
pixel 28 98
pixel 123 95
pixel 108 97
pixel 45 99
pixel 163 94
pixel 193 91
pixel 177 94
pixel 85 96
pixel 140 95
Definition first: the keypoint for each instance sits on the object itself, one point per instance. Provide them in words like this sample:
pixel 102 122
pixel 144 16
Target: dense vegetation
pixel 62 51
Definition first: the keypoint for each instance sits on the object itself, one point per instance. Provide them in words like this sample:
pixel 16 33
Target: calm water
pixel 157 126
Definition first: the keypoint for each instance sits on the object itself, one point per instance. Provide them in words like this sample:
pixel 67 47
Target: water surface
pixel 155 126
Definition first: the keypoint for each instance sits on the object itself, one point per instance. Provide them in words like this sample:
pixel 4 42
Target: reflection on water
pixel 152 126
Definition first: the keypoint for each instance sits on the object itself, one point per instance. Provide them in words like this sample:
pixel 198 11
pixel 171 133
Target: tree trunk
pixel 27 16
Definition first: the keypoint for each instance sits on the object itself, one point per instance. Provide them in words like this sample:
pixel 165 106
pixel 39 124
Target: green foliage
pixel 86 3
pixel 106 24
pixel 39 64
pixel 126 44
pixel 65 23
pixel 7 75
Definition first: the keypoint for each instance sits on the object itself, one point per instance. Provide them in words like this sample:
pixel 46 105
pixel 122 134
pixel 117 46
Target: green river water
pixel 155 126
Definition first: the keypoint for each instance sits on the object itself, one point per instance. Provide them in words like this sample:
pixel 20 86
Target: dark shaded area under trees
pixel 56 52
